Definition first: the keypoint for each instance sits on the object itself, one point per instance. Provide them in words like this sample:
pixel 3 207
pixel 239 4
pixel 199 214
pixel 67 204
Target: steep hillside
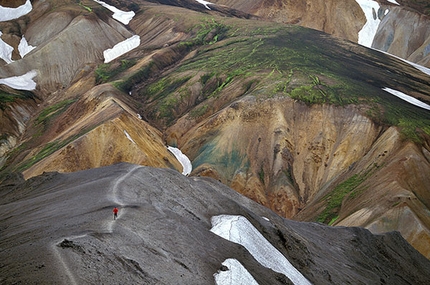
pixel 169 231
pixel 315 127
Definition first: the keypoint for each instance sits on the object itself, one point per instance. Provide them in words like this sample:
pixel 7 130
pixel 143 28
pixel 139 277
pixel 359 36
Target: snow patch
pixel 367 33
pixel 407 98
pixel 7 13
pixel 394 2
pixel 5 50
pixel 22 82
pixel 239 230
pixel 205 3
pixel 129 137
pixel 421 68
pixel 236 274
pixel 24 47
pixel 121 48
pixel 183 159
pixel 121 16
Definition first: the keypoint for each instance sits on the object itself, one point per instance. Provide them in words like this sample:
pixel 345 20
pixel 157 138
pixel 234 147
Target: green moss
pixel 47 150
pixel 52 110
pixel 334 200
pixel 107 71
pixel 198 111
pixel 6 98
pixel 208 32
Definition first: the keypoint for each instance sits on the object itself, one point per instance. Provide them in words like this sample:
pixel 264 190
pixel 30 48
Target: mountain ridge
pixel 292 117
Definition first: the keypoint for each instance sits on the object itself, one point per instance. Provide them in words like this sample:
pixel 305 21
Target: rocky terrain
pixel 63 225
pixel 274 99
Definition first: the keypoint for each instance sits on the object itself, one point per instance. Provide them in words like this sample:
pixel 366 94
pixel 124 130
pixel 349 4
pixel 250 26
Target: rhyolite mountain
pixel 294 118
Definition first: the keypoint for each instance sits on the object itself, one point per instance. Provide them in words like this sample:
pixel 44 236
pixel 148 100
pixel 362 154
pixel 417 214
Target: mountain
pixel 59 229
pixel 280 104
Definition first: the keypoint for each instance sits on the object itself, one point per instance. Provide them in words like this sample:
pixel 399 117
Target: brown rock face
pixel 280 148
pixel 100 130
pixel 406 34
pixel 286 156
pixel 340 18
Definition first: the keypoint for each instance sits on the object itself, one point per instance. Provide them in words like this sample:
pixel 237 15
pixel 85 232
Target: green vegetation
pixel 208 32
pixel 48 149
pixel 334 200
pixel 107 71
pixel 85 7
pixel 198 111
pixel 53 110
pixel 6 98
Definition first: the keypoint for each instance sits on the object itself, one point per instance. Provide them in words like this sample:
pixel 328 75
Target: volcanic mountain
pixel 318 121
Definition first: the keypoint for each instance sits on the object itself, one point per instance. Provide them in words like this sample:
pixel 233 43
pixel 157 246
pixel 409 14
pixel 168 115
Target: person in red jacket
pixel 115 213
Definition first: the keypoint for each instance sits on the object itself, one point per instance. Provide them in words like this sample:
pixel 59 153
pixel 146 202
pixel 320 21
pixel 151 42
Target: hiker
pixel 115 213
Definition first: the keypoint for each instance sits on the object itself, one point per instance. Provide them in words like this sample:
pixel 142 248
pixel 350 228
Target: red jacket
pixel 115 210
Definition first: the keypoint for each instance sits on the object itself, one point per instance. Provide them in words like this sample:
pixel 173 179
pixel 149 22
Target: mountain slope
pixel 294 118
pixel 162 234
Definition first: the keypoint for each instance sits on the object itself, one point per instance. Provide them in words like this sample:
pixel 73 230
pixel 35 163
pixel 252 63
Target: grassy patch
pixel 47 150
pixel 198 111
pixel 53 110
pixel 6 98
pixel 334 200
pixel 208 32
pixel 106 71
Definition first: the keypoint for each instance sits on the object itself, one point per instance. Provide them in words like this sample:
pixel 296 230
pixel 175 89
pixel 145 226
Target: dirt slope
pixel 162 234
pixel 294 118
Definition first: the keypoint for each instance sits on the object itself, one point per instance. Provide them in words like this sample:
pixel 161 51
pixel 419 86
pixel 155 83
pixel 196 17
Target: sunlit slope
pixel 291 117
pixel 97 130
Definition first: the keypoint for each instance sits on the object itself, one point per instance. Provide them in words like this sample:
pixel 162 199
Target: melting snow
pixel 128 136
pixel 407 98
pixel 24 47
pixel 236 274
pixel 121 48
pixel 183 159
pixel 23 82
pixel 5 50
pixel 394 2
pixel 121 16
pixel 367 33
pixel 205 3
pixel 7 13
pixel 239 230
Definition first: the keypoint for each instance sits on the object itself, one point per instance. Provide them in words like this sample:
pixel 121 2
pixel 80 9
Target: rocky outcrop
pixel 340 18
pixel 406 34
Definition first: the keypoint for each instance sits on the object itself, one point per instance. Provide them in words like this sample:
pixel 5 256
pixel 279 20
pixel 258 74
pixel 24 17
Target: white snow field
pixel 24 47
pixel 121 48
pixel 121 16
pixel 5 50
pixel 22 82
pixel 239 230
pixel 7 13
pixel 407 98
pixel 205 3
pixel 236 275
pixel 183 159
pixel 367 33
